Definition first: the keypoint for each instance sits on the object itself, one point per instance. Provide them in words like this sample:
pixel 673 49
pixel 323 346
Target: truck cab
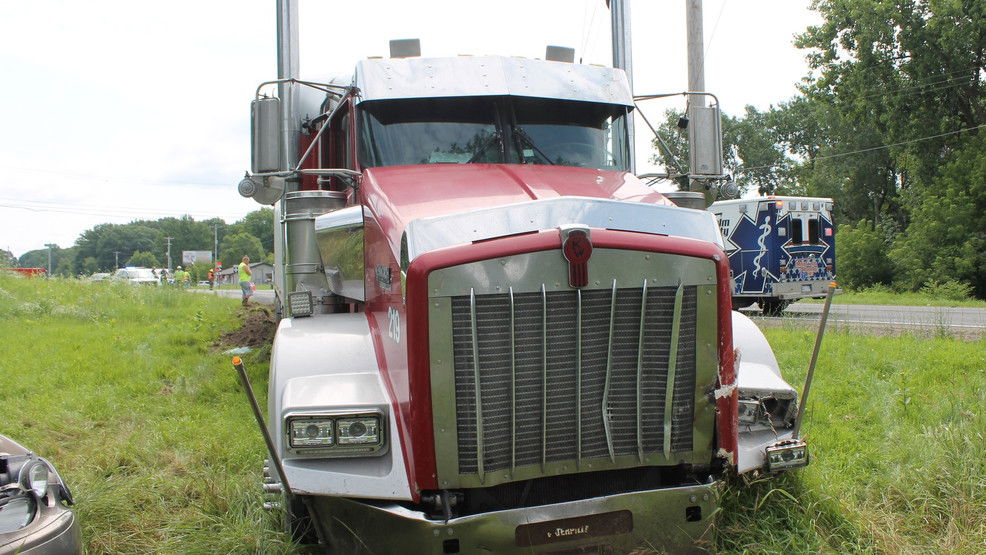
pixel 496 337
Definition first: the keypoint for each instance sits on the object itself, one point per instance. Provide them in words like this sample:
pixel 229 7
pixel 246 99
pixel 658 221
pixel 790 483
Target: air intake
pixel 405 48
pixel 560 54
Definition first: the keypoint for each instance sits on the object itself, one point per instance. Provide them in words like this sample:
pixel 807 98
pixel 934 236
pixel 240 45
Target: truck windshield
pixel 512 130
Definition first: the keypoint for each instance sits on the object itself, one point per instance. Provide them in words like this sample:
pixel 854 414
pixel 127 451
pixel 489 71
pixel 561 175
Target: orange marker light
pixel 237 361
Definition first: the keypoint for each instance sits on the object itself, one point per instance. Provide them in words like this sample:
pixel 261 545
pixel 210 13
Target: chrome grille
pixel 590 367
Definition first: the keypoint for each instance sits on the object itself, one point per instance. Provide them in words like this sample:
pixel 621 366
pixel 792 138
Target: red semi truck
pixel 493 336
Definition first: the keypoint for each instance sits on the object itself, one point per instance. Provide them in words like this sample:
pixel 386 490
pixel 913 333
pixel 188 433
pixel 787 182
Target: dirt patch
pixel 257 329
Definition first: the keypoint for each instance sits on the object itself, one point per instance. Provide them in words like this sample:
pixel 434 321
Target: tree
pixel 893 107
pixel 89 265
pixel 65 266
pixel 7 259
pixel 199 271
pixel 946 240
pixel 143 258
pixel 104 241
pixel 186 235
pixel 234 247
pixel 39 259
pixel 260 224
pixel 861 252
pixel 751 149
pixel 906 73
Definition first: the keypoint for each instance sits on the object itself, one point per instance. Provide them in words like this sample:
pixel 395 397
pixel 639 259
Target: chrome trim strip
pixel 640 371
pixel 479 399
pixel 544 377
pixel 513 386
pixel 672 363
pixel 578 378
pixel 436 232
pixel 609 371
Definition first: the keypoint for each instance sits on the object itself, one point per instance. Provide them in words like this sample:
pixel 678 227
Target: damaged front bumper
pixel 677 520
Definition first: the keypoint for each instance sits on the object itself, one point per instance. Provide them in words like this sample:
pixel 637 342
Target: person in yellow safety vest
pixel 245 275
pixel 179 276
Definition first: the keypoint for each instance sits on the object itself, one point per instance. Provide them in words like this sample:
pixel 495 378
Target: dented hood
pixel 399 195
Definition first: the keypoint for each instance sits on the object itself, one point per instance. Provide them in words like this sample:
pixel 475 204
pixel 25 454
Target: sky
pixel 116 110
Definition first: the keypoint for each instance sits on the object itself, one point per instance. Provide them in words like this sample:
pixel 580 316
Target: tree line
pixel 889 122
pixel 145 243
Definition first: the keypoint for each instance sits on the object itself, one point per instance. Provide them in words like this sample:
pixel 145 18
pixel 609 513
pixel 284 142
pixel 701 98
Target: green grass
pixel 896 427
pixel 119 386
pixel 884 296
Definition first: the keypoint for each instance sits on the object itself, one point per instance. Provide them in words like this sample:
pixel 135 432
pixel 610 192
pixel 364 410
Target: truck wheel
pixel 742 302
pixel 298 522
pixel 773 307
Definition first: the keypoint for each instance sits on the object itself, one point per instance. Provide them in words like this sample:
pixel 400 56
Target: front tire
pixel 298 521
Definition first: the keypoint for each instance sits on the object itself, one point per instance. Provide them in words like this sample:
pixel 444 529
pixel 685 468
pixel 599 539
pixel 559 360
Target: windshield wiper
pixel 522 135
pixel 495 137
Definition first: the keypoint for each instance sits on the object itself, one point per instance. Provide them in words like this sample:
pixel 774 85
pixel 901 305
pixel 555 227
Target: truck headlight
pixel 336 434
pixel 786 455
pixel 749 412
pixel 311 432
pixel 359 431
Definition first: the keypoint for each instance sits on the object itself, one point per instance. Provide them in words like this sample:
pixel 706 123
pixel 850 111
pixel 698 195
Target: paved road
pixel 265 296
pixel 931 318
pixel 924 317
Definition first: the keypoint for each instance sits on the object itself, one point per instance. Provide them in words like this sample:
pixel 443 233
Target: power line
pixel 871 149
pixel 918 89
pixel 708 45
pixel 121 212
pixel 117 178
pixel 956 75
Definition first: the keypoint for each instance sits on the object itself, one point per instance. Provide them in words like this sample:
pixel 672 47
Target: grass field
pixel 884 296
pixel 119 387
pixel 122 389
pixel 896 427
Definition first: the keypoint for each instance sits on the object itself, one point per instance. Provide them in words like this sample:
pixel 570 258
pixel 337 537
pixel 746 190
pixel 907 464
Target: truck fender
pixel 327 363
pixel 758 377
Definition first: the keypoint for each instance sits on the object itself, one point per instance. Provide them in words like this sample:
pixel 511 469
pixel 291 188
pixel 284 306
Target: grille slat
pixel 672 366
pixel 573 375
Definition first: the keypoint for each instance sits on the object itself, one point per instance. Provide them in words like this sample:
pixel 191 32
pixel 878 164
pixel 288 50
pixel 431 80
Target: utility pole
pixel 696 52
pixel 50 246
pixel 704 131
pixel 215 244
pixel 117 255
pixel 169 252
pixel 696 76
